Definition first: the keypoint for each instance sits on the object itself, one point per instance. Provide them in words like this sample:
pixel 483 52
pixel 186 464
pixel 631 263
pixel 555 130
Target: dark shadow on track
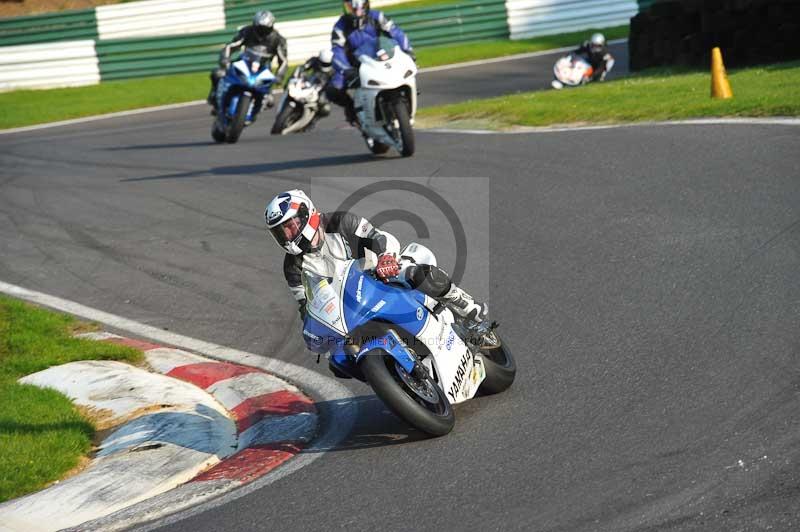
pixel 265 168
pixel 163 146
pixel 375 426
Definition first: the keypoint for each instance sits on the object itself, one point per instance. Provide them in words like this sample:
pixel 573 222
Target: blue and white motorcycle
pixel 241 93
pixel 416 354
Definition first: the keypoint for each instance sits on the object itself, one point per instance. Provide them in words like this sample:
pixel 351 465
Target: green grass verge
pixel 656 95
pixel 26 107
pixel 42 436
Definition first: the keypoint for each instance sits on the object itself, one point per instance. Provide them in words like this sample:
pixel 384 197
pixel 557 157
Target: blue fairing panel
pixel 366 299
pixel 319 338
pixel 391 344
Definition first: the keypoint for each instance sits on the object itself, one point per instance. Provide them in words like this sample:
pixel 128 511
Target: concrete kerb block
pixel 191 419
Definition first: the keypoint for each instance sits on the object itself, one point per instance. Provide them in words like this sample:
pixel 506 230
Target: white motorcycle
pixel 416 354
pixel 300 107
pixel 571 71
pixel 386 99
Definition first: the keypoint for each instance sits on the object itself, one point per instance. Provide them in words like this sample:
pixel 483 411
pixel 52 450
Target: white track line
pixel 465 64
pixel 323 389
pixel 777 121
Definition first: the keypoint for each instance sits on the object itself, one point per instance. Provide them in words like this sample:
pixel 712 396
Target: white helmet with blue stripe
pixel 293 222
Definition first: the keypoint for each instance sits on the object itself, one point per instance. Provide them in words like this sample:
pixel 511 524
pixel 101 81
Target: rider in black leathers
pixel 596 52
pixel 260 32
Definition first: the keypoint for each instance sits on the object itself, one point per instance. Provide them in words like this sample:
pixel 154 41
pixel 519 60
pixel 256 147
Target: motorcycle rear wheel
pixel 238 121
pixel 216 133
pixel 286 117
pixel 423 406
pixel 500 367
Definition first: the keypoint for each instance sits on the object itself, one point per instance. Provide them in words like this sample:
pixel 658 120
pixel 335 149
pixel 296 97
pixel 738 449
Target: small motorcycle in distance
pixel 241 93
pixel 571 71
pixel 300 107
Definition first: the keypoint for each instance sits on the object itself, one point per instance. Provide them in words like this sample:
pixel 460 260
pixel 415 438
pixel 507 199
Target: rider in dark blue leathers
pixel 359 25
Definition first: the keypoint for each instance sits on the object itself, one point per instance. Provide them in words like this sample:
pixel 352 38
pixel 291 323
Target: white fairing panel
pixel 571 71
pixel 458 371
pixel 377 76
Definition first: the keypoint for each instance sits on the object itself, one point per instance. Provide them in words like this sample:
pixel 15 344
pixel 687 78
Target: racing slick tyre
pixel 421 404
pixel 499 364
pixel 286 117
pixel 216 133
pixel 400 110
pixel 238 121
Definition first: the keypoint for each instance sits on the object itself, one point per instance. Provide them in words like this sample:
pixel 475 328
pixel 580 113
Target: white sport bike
pixel 300 107
pixel 417 355
pixel 571 71
pixel 386 99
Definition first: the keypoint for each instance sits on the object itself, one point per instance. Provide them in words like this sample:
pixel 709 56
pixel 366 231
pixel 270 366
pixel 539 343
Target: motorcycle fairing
pixel 354 298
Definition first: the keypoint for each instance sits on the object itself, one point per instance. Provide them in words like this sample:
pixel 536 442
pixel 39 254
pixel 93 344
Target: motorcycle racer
pixel 596 52
pixel 357 26
pixel 314 241
pixel 260 32
pixel 319 70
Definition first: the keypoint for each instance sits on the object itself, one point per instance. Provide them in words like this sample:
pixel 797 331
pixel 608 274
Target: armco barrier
pixel 467 21
pixel 37 65
pixel 530 18
pixel 66 26
pixel 159 17
pixel 196 31
pixel 130 58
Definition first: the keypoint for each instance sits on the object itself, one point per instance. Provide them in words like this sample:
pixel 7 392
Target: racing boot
pixel 350 115
pixel 464 305
pixel 212 101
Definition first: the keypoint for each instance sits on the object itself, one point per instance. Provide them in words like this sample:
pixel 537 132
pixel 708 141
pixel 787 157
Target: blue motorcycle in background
pixel 416 354
pixel 241 93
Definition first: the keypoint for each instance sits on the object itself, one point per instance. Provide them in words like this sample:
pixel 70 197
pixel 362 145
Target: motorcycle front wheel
pixel 286 117
pixel 217 133
pixel 238 121
pixel 403 130
pixel 420 403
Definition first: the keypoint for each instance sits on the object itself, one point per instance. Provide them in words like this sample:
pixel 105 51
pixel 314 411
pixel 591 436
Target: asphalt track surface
pixel 647 278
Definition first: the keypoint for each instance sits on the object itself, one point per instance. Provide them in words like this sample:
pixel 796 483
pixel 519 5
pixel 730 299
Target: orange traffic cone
pixel 720 86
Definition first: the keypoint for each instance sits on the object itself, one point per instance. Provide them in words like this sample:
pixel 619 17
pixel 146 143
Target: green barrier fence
pixel 467 21
pixel 240 12
pixel 65 26
pixel 156 56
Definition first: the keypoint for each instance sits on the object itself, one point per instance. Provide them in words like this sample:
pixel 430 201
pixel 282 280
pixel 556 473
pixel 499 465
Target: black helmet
pixel 263 21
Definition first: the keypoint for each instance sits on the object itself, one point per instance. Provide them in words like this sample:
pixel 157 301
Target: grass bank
pixel 42 435
pixel 27 107
pixel 655 95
